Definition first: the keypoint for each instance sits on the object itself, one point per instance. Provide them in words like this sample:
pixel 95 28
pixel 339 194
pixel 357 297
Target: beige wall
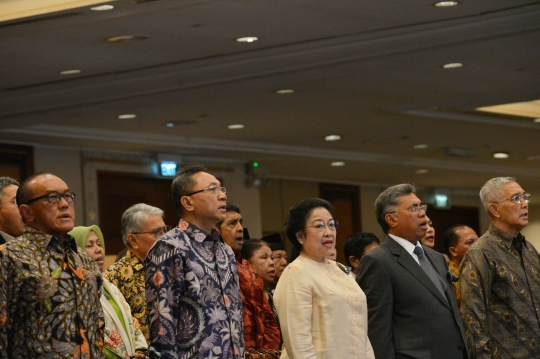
pixel 532 231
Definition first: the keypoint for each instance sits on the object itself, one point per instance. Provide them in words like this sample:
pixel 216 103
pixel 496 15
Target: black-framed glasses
pixel 55 197
pixel 518 198
pixel 213 188
pixel 156 232
pixel 415 209
pixel 321 226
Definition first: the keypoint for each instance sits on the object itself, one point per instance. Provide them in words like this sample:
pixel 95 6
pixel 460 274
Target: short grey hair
pixel 388 200
pixel 134 218
pixel 492 191
pixel 4 182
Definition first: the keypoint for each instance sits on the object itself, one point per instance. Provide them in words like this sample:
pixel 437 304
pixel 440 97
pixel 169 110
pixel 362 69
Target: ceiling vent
pixel 458 152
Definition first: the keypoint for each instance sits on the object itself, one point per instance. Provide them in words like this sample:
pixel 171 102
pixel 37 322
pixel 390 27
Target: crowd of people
pixel 204 289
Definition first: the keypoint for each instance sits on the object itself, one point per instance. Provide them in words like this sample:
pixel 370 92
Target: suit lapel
pixel 408 262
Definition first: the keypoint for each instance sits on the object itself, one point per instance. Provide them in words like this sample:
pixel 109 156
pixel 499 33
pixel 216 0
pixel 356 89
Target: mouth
pixel 239 239
pixel 328 244
pixel 430 238
pixel 272 273
pixel 65 217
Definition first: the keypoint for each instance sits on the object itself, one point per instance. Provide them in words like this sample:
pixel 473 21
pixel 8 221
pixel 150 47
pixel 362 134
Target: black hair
pixel 451 238
pixel 183 183
pixel 356 243
pixel 298 215
pixel 250 247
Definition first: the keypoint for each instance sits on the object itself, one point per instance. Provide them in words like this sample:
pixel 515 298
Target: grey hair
pixel 492 191
pixel 134 218
pixel 388 200
pixel 4 182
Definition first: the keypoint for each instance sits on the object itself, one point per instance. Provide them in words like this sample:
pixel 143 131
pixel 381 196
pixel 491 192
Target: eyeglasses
pixel 215 189
pixel 156 232
pixel 55 197
pixel 415 209
pixel 518 198
pixel 321 226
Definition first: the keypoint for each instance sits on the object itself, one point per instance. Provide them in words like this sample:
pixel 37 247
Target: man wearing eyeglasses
pixel 412 308
pixel 49 289
pixel 500 279
pixel 191 277
pixel 11 224
pixel 142 225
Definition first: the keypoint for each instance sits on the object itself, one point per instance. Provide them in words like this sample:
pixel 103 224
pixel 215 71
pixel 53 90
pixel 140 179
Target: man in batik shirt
pixel 500 279
pixel 49 289
pixel 142 225
pixel 194 302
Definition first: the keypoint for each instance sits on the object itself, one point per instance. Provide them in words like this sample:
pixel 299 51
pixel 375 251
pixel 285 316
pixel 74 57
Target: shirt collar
pixel 45 240
pixel 408 246
pixel 198 234
pixel 506 237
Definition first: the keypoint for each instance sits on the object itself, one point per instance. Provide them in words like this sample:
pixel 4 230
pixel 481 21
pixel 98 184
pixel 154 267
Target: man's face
pixel 10 218
pixel 208 207
pixel 52 218
pixel 142 242
pixel 467 236
pixel 406 224
pixel 515 216
pixel 279 256
pixel 232 231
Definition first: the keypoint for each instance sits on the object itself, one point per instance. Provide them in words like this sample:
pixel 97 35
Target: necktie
pixel 430 271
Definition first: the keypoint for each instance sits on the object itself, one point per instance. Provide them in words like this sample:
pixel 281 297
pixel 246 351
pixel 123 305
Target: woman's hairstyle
pixel 250 247
pixel 298 215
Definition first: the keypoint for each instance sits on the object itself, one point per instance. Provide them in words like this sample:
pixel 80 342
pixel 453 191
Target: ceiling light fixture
pixel 170 124
pixel 501 155
pixel 284 91
pixel 422 171
pixel 70 72
pixel 127 116
pixel 235 127
pixel 337 164
pixel 420 146
pixel 102 8
pixel 332 138
pixel 247 39
pixel 452 65
pixel 537 120
pixel 445 3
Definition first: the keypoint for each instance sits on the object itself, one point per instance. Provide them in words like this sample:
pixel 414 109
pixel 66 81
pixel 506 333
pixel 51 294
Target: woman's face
pixel 429 238
pixel 262 262
pixel 318 239
pixel 94 250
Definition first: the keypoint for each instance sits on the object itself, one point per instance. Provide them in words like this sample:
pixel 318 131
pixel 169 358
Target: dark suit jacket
pixel 2 240
pixel 408 316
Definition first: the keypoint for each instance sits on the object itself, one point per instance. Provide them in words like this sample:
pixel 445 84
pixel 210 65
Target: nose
pixel 271 263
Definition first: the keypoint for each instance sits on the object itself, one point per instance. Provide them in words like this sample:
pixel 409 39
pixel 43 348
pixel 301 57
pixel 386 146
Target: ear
pixel 494 210
pixel 300 236
pixel 187 203
pixel 390 220
pixel 354 261
pixel 452 251
pixel 26 213
pixel 132 239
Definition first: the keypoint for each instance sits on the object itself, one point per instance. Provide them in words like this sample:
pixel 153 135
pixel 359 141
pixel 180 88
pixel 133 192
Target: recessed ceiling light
pixel 337 164
pixel 235 127
pixel 332 138
pixel 70 72
pixel 420 146
pixel 127 116
pixel 452 65
pixel 537 120
pixel 284 91
pixel 501 155
pixel 422 171
pixel 247 39
pixel 170 124
pixel 102 8
pixel 127 38
pixel 446 3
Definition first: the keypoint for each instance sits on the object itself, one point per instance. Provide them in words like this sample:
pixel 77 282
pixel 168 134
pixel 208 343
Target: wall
pixel 532 231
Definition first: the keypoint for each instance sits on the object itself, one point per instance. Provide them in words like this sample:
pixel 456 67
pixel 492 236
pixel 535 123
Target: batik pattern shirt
pixel 49 299
pixel 500 297
pixel 193 296
pixel 128 275
pixel 454 269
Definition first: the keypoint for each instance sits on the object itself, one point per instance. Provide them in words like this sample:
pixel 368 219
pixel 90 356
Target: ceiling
pixel 369 71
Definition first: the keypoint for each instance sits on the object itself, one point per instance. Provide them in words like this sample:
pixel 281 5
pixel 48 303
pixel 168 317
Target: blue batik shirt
pixel 193 295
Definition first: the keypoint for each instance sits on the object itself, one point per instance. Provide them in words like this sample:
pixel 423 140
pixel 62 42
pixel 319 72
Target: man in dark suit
pixel 412 309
